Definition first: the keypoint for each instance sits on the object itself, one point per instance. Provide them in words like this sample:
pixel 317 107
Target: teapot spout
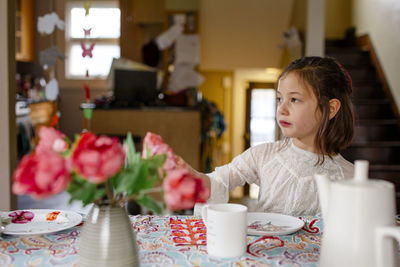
pixel 323 184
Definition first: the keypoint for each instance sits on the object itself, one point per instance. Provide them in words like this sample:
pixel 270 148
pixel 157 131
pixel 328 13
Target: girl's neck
pixel 308 146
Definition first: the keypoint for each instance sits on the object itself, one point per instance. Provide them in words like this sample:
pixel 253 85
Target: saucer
pixel 260 223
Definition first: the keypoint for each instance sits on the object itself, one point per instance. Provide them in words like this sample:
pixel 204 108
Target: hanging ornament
pixel 87 32
pixel 87 6
pixel 87 51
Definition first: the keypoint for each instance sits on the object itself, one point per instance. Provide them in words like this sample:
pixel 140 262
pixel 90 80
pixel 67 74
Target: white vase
pixel 107 239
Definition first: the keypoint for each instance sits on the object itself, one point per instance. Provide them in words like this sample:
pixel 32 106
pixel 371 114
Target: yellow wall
pixel 242 34
pixel 242 77
pixel 213 90
pixel 337 17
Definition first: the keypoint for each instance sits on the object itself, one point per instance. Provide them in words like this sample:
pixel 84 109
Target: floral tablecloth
pixel 156 247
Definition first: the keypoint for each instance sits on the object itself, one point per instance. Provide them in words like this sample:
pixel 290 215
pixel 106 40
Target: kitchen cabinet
pixel 24 31
pixel 179 127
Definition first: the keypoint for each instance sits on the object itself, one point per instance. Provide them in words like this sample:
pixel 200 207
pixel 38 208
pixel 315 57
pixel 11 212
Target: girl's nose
pixel 282 108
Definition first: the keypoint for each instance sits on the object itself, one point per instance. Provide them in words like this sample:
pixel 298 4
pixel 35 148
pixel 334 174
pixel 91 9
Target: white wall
pixel 381 20
pixel 242 34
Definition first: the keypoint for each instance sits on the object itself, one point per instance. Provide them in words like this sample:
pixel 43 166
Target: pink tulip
pixel 182 189
pixel 41 175
pixel 50 139
pixel 97 158
pixel 156 145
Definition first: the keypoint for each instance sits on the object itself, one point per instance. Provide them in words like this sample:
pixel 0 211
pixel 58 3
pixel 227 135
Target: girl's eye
pixel 295 100
pixel 278 99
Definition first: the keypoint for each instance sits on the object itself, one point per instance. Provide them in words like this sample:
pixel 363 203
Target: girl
pixel 315 115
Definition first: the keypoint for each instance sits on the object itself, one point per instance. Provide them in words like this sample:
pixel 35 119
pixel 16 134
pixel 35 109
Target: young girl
pixel 315 115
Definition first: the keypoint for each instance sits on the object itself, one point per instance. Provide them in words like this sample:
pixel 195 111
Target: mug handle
pixel 385 247
pixel 204 213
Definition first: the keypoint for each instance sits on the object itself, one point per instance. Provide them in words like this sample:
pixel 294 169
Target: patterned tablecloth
pixel 157 248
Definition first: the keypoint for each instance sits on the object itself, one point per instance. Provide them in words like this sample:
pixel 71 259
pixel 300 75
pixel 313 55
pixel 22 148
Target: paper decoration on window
pixel 87 6
pixel 48 56
pixel 87 51
pixel 167 38
pixel 48 22
pixel 87 32
pixel 52 90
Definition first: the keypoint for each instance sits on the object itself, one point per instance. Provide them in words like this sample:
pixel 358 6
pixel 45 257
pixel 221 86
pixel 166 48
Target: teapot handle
pixel 386 252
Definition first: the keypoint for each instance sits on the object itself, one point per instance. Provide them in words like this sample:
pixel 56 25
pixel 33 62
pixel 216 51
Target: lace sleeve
pixel 243 169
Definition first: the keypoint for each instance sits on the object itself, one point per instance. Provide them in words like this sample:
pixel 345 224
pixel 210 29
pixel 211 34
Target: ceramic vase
pixel 107 239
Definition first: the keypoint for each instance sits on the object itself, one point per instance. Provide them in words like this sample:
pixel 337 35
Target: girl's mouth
pixel 284 123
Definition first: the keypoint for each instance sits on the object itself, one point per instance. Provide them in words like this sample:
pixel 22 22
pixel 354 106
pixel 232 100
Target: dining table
pixel 159 245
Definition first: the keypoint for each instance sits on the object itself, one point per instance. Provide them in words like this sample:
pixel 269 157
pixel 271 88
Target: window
pixel 262 118
pixel 104 24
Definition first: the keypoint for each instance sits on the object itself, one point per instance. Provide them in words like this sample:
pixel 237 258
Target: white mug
pixel 226 229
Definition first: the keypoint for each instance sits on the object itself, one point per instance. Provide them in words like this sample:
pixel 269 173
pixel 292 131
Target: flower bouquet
pixel 99 169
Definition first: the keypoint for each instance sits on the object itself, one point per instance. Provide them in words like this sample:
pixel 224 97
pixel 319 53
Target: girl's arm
pixel 204 177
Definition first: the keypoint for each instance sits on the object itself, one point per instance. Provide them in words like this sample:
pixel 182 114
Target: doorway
pixel 261 126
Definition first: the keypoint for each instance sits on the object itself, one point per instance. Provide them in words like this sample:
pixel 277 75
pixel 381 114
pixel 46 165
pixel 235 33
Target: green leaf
pixel 150 203
pixel 127 179
pixel 159 160
pixel 84 191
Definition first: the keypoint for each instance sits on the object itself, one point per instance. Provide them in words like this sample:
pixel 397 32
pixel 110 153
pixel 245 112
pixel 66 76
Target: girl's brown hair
pixel 328 80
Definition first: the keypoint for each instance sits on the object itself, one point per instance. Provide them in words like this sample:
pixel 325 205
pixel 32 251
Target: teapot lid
pixel 361 171
pixel 361 177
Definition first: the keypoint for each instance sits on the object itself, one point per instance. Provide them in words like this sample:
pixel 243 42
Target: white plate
pixel 44 221
pixel 260 223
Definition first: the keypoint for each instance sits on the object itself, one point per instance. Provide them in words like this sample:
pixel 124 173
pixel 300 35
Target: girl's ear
pixel 334 106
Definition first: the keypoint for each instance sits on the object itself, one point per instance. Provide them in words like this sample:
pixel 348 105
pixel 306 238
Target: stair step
pixel 395 168
pixel 349 57
pixel 375 155
pixel 363 73
pixel 375 144
pixel 369 101
pixel 388 132
pixel 367 122
pixel 373 111
pixel 367 89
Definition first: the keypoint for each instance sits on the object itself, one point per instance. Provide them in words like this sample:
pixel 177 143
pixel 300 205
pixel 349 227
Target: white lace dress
pixel 285 177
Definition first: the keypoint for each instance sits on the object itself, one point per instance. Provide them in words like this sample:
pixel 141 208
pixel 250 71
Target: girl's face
pixel 298 115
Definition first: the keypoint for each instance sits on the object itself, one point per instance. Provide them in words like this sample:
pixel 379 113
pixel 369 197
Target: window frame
pixel 63 44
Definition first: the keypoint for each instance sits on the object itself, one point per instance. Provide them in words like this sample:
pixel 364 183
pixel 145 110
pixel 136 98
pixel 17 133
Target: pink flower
pixel 183 189
pixel 97 158
pixel 41 175
pixel 21 216
pixel 50 139
pixel 156 145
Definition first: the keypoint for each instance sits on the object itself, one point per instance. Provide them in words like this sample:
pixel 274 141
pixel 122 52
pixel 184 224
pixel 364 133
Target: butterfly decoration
pixel 87 51
pixel 87 31
pixel 87 6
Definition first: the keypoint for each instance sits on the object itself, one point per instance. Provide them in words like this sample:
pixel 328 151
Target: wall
pixel 217 88
pixel 337 17
pixel 242 34
pixel 8 145
pixel 240 83
pixel 381 20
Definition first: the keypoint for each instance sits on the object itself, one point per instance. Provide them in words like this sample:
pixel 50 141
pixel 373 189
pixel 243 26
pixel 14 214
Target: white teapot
pixel 359 221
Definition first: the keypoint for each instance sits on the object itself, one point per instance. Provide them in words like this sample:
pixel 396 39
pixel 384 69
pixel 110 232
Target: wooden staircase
pixel 377 131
